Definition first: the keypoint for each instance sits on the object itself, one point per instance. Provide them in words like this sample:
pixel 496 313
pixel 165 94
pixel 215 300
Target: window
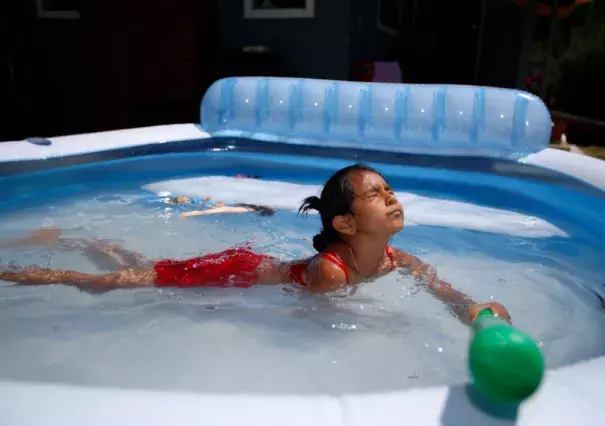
pixel 279 9
pixel 58 9
pixel 394 15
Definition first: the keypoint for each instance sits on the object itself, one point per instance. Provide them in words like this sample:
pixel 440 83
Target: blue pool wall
pixel 566 205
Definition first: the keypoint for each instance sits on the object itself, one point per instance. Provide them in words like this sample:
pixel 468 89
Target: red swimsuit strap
pixel 337 260
pixel 391 256
pixel 296 270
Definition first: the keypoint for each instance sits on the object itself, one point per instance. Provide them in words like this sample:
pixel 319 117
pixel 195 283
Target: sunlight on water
pixel 384 335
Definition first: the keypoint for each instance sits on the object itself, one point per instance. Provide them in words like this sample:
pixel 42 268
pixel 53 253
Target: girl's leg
pixel 104 256
pixel 114 257
pixel 127 278
pixel 44 236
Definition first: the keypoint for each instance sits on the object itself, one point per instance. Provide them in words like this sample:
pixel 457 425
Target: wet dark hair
pixel 261 210
pixel 336 199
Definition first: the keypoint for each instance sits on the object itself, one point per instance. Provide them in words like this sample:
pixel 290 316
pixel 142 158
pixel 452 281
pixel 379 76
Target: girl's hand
pixel 497 309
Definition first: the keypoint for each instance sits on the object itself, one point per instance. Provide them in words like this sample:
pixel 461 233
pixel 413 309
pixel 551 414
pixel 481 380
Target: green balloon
pixel 505 364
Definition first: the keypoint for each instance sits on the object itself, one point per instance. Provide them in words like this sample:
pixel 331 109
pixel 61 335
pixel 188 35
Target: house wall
pixel 309 47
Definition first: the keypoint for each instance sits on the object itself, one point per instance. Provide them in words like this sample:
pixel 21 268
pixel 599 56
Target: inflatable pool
pixel 499 213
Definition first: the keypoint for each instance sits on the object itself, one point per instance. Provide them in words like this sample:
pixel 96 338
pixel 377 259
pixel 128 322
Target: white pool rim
pixel 569 395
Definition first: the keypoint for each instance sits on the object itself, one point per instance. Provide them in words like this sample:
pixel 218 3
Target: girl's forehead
pixel 366 179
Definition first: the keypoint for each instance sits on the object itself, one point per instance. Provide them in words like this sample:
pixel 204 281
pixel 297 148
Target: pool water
pixel 383 335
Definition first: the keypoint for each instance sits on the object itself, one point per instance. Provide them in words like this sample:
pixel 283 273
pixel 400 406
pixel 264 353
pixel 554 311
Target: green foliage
pixel 579 50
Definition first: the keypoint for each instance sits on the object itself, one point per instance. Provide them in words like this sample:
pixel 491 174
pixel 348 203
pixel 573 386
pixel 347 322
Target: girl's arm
pixel 216 210
pixel 461 304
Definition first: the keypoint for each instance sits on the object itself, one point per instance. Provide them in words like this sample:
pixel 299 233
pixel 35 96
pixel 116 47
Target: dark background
pixel 129 63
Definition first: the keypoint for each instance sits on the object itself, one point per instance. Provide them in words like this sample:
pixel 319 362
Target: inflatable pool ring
pixel 505 364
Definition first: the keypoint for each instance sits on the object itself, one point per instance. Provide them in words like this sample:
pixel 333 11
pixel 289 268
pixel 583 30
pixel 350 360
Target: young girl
pixel 359 214
pixel 219 207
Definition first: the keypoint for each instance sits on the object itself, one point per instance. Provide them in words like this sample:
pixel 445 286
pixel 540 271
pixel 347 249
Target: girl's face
pixel 375 208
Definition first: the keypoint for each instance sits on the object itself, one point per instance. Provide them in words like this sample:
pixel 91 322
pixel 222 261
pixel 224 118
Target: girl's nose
pixel 390 198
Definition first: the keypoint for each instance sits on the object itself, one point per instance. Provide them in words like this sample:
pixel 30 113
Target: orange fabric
pixel 546 9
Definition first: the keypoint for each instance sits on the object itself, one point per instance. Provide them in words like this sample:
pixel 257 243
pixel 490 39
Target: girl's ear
pixel 345 224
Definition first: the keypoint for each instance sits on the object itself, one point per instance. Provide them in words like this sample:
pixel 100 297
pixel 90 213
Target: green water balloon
pixel 505 364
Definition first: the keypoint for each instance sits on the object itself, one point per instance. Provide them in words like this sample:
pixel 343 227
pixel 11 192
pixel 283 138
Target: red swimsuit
pixel 235 267
pixel 230 268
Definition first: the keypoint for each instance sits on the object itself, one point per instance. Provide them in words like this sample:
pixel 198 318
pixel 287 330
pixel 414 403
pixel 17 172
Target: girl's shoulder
pixel 328 270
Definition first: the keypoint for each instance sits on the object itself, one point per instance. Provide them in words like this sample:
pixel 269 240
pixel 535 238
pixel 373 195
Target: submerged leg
pixel 44 236
pixel 114 257
pixel 105 256
pixel 126 278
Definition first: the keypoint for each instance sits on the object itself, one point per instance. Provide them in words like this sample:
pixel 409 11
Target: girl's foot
pixel 43 236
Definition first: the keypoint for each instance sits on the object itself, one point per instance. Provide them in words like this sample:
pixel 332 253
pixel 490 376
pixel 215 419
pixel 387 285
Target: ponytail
pixel 310 203
pixel 328 235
